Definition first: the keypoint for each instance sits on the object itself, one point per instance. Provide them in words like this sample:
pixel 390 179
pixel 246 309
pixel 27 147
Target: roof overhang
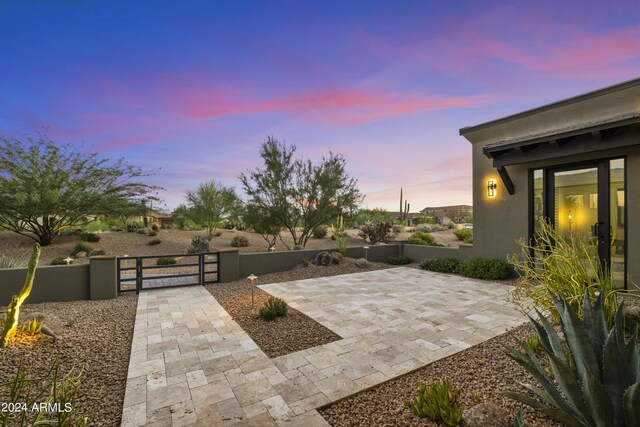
pixel 613 132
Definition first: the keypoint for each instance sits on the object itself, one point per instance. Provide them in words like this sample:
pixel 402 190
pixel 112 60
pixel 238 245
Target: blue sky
pixel 191 89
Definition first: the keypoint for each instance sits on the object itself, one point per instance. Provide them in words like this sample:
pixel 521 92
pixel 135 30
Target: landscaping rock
pixel 336 257
pixel 362 263
pixel 143 230
pixel 631 315
pixel 323 258
pixel 81 254
pixel 486 415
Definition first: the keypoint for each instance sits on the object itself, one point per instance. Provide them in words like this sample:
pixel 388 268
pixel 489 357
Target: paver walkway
pixel 191 364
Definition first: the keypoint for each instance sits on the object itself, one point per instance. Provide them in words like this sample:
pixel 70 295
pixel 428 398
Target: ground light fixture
pixel 251 279
pixel 491 188
pixel 366 252
pixel 68 260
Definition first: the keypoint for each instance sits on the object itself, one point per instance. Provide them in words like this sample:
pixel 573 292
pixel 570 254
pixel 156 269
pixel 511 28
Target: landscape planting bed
pixel 282 335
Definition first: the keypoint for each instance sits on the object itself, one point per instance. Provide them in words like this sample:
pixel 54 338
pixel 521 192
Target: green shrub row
pixel 398 260
pixel 464 234
pixel 423 238
pixel 477 268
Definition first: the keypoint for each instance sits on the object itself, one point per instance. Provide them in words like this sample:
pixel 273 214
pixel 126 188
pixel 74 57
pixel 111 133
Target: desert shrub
pixel 89 237
pixel 166 261
pixel 567 270
pixel 217 234
pixel 58 261
pixel 8 262
pixel 377 232
pixel 80 247
pixel 320 232
pixel 398 260
pixel 441 265
pixel 154 242
pixel 485 268
pixel 56 389
pixel 155 227
pixel 152 233
pixel 97 252
pixel 464 234
pixel 132 226
pixel 32 327
pixel 398 228
pixel 533 343
pixel 274 307
pixel 198 242
pixel 239 242
pixel 97 226
pixel 427 228
pixel 305 262
pixel 439 403
pixel 422 238
pixel 423 220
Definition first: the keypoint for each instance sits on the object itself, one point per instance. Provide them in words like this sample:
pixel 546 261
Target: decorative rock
pixel 143 230
pixel 323 258
pixel 362 263
pixel 336 257
pixel 631 316
pixel 486 415
pixel 81 254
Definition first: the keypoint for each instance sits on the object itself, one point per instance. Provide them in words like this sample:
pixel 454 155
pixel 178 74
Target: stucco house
pixel 575 162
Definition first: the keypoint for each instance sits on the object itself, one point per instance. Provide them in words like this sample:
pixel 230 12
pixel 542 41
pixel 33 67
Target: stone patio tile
pixel 297 389
pixel 235 377
pixel 324 359
pixel 208 416
pixel 183 366
pixel 231 411
pixel 144 368
pixel 309 403
pixel 371 380
pixel 211 393
pixel 254 409
pixel 274 375
pixel 278 408
pixel 308 419
pixel 136 391
pixel 290 361
pixel 337 386
pixel 196 378
pixel 134 415
pixel 221 364
pixel 166 396
pixel 254 392
pixel 262 420
pixel 183 414
pixel 312 373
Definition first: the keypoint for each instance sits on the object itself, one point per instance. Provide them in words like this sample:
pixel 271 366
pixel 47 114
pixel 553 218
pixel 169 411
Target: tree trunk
pixel 45 238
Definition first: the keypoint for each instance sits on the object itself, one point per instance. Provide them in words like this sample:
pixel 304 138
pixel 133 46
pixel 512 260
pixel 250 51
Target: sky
pixel 191 89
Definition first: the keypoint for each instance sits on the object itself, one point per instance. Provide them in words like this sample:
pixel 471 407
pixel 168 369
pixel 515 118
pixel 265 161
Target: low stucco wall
pixel 271 262
pixel 52 283
pixel 419 253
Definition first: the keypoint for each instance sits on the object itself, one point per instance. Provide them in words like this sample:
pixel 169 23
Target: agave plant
pixel 598 382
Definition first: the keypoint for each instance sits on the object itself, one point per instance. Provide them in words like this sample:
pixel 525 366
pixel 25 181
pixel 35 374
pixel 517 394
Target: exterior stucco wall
pixel 500 221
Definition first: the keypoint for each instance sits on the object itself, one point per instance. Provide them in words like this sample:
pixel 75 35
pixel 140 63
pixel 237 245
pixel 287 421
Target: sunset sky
pixel 192 88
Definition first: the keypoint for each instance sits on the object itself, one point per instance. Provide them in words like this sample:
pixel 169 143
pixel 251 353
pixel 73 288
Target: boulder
pixel 631 316
pixel 362 263
pixel 486 415
pixel 81 254
pixel 322 258
pixel 336 257
pixel 143 230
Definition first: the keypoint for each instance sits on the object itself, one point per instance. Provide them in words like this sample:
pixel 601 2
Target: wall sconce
pixel 491 188
pixel 570 219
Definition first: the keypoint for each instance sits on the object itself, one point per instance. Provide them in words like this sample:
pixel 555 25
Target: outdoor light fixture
pixel 366 251
pixel 570 219
pixel 491 188
pixel 252 278
pixel 68 260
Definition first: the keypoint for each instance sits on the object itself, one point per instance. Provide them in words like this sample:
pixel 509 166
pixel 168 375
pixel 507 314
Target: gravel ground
pixel 287 334
pixel 173 242
pixel 92 335
pixel 481 372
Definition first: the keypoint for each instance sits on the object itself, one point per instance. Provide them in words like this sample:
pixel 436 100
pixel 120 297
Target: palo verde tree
pixel 210 204
pixel 298 194
pixel 45 187
pixel 262 222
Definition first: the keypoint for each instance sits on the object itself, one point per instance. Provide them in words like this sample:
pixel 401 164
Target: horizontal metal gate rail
pixel 201 261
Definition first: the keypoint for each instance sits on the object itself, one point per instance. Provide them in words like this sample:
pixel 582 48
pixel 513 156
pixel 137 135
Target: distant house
pixel 574 163
pixel 452 213
pixel 400 215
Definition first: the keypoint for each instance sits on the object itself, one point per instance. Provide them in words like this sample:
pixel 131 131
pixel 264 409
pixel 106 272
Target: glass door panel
pixel 617 212
pixel 576 202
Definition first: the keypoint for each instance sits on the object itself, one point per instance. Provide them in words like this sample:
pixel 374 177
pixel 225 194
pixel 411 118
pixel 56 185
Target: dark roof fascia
pixel 583 128
pixel 589 95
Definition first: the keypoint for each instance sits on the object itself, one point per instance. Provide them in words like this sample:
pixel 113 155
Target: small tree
pixel 262 223
pixel 210 204
pixel 297 193
pixel 45 188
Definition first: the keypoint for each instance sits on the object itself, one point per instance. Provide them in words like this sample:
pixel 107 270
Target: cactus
pixel 13 310
pixel 597 383
pixel 438 402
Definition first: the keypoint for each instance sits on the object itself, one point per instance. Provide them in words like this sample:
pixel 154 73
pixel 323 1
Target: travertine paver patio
pixel 191 364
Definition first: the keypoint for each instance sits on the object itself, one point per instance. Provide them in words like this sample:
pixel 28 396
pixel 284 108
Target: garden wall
pixel 272 262
pixel 95 280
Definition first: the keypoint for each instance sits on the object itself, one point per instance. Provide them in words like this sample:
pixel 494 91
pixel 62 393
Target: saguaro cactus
pixel 13 310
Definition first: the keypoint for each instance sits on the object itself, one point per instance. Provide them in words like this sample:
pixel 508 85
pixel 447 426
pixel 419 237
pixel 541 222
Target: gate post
pixel 138 275
pixel 201 268
pixel 103 280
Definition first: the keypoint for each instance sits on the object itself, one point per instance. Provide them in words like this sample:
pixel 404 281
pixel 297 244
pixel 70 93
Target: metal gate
pixel 136 273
